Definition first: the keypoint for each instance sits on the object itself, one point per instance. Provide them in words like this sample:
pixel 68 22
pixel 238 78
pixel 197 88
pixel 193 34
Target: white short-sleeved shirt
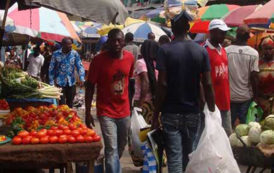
pixel 35 65
pixel 242 60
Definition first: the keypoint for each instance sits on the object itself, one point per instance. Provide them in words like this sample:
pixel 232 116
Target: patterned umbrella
pixel 262 17
pixel 208 13
pixel 43 23
pixel 236 17
pixel 216 11
pixel 140 30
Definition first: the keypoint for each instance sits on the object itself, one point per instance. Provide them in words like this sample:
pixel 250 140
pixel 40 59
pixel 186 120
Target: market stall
pixel 253 144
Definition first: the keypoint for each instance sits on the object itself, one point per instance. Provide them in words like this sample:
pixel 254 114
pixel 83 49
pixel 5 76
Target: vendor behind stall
pixel 13 60
pixel 266 76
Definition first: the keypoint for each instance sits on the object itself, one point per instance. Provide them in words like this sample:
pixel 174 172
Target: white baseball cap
pixel 218 24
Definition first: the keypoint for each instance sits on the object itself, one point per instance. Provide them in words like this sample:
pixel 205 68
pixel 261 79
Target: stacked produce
pixel 254 133
pixel 17 84
pixel 4 105
pixel 48 124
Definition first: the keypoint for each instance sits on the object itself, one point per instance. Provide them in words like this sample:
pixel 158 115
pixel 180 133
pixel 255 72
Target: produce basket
pixel 253 157
pixel 23 103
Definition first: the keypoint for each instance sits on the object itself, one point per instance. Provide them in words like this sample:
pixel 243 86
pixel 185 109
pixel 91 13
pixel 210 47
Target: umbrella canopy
pixel 87 29
pixel 43 23
pixel 187 2
pixel 216 11
pixel 208 13
pixel 262 17
pixel 106 28
pixel 102 11
pixel 236 17
pixel 130 21
pixel 141 30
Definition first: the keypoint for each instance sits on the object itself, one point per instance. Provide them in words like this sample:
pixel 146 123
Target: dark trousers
pixel 239 110
pixel 68 95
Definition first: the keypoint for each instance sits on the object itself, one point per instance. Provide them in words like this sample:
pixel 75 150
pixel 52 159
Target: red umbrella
pixel 200 27
pixel 236 17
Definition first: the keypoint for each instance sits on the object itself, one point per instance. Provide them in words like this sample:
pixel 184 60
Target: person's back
pixel 242 60
pixel 132 48
pixel 184 62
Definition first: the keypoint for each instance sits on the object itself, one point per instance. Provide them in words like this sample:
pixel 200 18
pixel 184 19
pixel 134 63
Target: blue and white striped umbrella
pixel 141 30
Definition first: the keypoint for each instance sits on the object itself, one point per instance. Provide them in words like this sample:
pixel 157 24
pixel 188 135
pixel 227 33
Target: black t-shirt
pixel 183 61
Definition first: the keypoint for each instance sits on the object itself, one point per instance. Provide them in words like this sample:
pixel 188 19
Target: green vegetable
pixel 242 130
pixel 254 134
pixel 269 122
pixel 267 137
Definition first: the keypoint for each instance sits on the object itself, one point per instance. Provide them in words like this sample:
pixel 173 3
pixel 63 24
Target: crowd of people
pixel 171 80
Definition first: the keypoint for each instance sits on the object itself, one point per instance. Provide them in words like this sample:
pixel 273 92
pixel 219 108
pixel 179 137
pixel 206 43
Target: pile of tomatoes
pixel 61 134
pixel 4 105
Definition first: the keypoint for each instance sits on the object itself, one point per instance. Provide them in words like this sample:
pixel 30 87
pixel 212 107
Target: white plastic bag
pixel 213 153
pixel 137 123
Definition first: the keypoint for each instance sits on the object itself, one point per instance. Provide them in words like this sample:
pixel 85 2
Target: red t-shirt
pixel 111 75
pixel 219 76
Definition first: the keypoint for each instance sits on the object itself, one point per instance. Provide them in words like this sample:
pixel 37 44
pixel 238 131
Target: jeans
pixel 239 110
pixel 226 122
pixel 181 138
pixel 68 95
pixel 115 134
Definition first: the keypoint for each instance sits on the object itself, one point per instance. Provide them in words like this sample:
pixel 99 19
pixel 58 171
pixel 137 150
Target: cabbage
pixel 242 130
pixel 246 140
pixel 254 134
pixel 267 137
pixel 269 122
pixel 254 124
pixel 234 141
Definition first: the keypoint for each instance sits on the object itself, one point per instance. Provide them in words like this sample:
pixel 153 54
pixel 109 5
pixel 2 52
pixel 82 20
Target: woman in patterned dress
pixel 266 76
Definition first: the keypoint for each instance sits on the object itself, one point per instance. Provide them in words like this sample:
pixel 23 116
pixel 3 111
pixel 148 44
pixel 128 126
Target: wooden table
pixel 48 155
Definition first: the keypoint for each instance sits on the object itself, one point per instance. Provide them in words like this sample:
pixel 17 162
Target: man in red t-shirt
pixel 219 70
pixel 110 72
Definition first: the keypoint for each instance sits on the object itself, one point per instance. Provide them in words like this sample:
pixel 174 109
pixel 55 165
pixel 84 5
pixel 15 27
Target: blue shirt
pixel 183 62
pixel 62 67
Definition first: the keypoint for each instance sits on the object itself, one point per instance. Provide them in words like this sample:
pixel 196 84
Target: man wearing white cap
pixel 219 70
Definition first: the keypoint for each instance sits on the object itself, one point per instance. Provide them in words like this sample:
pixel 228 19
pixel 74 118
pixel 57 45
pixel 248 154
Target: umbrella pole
pixel 2 30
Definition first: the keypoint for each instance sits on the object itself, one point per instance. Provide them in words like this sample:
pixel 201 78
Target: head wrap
pixel 268 40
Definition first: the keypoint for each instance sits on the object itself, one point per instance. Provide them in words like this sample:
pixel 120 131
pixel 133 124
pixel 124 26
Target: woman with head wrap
pixel 145 76
pixel 266 76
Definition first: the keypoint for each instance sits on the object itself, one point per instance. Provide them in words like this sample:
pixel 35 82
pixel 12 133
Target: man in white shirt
pixel 36 61
pixel 243 71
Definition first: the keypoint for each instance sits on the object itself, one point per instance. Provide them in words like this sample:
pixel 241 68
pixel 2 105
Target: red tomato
pixel 75 133
pixel 35 140
pixel 26 140
pixel 63 139
pixel 71 139
pixel 91 132
pixel 96 138
pixel 80 138
pixel 72 127
pixel 23 133
pixel 58 132
pixel 53 139
pixel 54 128
pixel 63 127
pixel 67 131
pixel 44 140
pixel 17 140
pixel 84 131
pixel 33 133
pixel 42 133
pixel 83 126
pixel 88 139
pixel 51 132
